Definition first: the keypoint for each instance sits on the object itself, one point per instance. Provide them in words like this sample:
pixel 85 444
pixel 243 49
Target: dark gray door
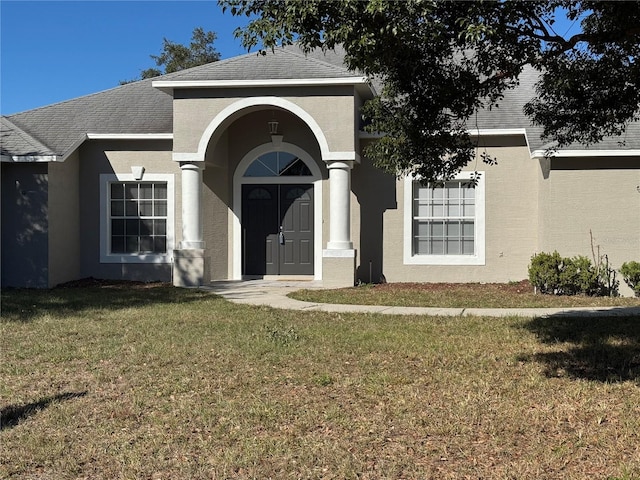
pixel 277 228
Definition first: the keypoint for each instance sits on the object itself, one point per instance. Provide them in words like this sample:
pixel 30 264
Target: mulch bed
pixel 522 286
pixel 114 284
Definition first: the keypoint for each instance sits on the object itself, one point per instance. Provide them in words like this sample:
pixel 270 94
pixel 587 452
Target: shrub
pixel 544 272
pixel 578 275
pixel 551 273
pixel 631 274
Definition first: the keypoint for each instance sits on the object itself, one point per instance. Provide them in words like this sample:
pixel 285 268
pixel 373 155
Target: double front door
pixel 277 229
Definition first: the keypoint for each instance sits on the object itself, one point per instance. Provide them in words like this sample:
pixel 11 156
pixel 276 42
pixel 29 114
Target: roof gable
pixel 280 64
pixel 130 108
pixel 18 144
pixel 138 108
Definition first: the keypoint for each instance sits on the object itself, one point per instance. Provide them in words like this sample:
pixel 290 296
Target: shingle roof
pixel 132 108
pixel 629 140
pixel 139 108
pixel 281 64
pixel 18 143
pixel 509 114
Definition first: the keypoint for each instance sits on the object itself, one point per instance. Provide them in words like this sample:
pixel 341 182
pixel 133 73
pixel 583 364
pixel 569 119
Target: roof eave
pixel 480 132
pixel 547 153
pixel 113 136
pixel 30 158
pixel 168 86
pixel 129 136
pixel 476 132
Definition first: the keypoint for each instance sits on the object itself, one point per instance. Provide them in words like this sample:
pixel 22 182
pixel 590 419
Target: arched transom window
pixel 278 164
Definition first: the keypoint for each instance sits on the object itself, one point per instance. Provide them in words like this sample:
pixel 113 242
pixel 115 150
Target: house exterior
pixel 252 167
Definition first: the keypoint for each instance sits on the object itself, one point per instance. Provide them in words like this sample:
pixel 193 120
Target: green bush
pixel 551 273
pixel 544 272
pixel 578 276
pixel 631 274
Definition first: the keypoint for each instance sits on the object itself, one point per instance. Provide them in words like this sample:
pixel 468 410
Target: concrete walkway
pixel 273 293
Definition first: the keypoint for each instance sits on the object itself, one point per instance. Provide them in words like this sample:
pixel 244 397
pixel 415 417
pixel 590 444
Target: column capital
pixel 192 165
pixel 187 157
pixel 348 156
pixel 342 164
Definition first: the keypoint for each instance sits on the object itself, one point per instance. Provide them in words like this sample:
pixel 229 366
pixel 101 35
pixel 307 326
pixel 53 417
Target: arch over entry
pixel 239 179
pixel 235 109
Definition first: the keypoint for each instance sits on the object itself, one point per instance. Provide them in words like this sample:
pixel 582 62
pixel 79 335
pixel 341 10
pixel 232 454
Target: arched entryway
pixel 278 213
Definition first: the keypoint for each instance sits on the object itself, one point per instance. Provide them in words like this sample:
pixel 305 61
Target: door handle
pixel 281 236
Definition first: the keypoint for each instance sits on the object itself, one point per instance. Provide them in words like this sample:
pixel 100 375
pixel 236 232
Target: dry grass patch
pixel 456 295
pixel 154 383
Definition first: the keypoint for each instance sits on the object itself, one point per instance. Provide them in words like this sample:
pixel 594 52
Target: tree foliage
pixel 441 62
pixel 176 57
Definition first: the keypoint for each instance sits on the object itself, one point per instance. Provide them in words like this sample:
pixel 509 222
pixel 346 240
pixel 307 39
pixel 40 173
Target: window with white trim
pixel 137 218
pixel 444 225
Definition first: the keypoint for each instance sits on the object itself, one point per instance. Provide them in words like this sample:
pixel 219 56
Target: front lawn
pixel 456 295
pixel 153 382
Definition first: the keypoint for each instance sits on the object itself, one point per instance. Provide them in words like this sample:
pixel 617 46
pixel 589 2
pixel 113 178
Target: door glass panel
pixel 297 193
pixel 259 194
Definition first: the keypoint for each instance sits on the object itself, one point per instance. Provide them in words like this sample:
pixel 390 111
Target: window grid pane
pixel 443 219
pixel 138 218
pixel 277 164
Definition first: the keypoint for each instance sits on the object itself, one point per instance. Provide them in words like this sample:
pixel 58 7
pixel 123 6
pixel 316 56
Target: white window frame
pixel 105 218
pixel 478 258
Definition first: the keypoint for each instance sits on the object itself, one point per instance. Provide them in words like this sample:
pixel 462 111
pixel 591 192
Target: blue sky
pixel 53 51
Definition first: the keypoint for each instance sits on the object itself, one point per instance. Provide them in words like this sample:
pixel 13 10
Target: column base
pixel 189 268
pixel 338 268
pixel 339 245
pixel 191 245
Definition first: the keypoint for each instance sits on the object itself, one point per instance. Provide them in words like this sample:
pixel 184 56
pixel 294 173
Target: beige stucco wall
pixel 511 219
pixel 64 220
pixel 598 197
pixel 216 202
pixel 374 193
pixel 531 205
pixel 332 108
pixel 118 156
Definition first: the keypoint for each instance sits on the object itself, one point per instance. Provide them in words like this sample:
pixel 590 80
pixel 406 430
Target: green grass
pixel 460 295
pixel 157 382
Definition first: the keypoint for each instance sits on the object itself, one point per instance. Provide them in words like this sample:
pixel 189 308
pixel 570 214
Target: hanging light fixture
pixel 276 138
pixel 273 127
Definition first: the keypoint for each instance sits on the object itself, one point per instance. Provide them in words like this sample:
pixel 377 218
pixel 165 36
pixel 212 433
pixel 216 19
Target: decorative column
pixel 338 262
pixel 340 205
pixel 189 259
pixel 191 206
